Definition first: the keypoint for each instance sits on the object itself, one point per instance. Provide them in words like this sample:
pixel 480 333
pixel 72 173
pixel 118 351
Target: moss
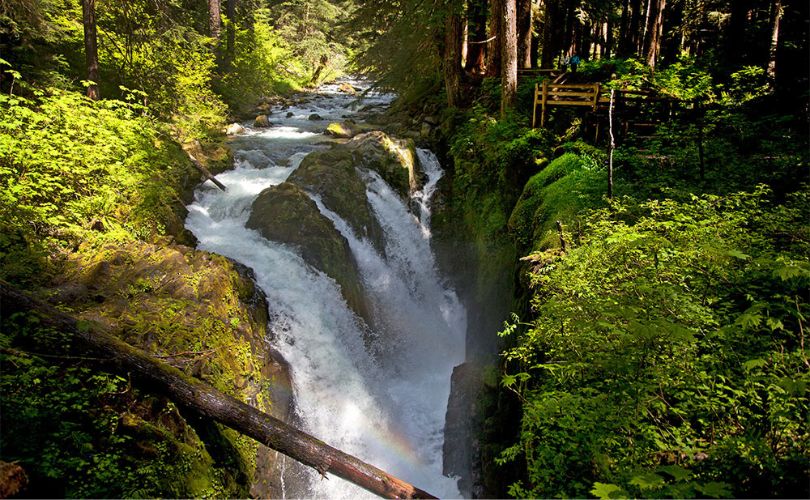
pixel 285 213
pixel 563 191
pixel 196 312
pixel 332 174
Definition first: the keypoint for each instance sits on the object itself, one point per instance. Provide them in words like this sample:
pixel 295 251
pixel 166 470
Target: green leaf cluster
pixel 72 169
pixel 666 354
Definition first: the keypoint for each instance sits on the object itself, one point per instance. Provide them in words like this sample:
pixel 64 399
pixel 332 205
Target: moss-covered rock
pixel 333 175
pixel 394 159
pixel 346 129
pixel 285 213
pixel 203 314
pixel 562 191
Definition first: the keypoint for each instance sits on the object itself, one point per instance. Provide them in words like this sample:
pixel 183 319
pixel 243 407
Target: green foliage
pixel 666 355
pixel 263 66
pixel 401 49
pixel 685 80
pixel 71 168
pixel 80 432
pixel 309 28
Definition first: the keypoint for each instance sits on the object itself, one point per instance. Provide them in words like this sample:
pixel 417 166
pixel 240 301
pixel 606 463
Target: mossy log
pixel 209 402
pixel 208 175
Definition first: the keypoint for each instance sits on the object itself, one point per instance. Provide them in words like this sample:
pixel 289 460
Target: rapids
pixel 384 403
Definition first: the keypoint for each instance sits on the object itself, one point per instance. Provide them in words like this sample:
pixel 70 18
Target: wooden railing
pixel 563 94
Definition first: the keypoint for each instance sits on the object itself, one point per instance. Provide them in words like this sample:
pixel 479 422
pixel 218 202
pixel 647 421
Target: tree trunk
pixel 735 47
pixel 645 34
pixel 91 47
pixel 549 42
pixel 569 36
pixel 777 19
pixel 496 33
pixel 476 35
pixel 211 403
pixel 214 20
pixel 625 40
pixel 230 50
pixel 672 33
pixel 509 56
pixel 635 28
pixel 524 33
pixel 453 40
pixel 654 33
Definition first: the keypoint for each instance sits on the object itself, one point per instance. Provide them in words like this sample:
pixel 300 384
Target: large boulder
pixel 285 213
pixel 234 129
pixel 333 175
pixel 203 314
pixel 394 159
pixel 261 121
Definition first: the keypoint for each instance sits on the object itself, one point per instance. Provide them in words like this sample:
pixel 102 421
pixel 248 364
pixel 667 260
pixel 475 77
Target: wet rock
pixel 394 159
pixel 425 131
pixel 347 88
pixel 346 129
pixel 290 114
pixel 342 130
pixel 333 175
pixel 234 129
pixel 261 121
pixel 285 213
pixel 315 117
pixel 461 442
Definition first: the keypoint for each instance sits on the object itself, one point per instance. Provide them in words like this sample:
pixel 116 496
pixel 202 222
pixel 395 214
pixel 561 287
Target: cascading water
pixel 383 403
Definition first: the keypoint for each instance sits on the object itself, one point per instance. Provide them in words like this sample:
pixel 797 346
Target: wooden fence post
pixel 545 98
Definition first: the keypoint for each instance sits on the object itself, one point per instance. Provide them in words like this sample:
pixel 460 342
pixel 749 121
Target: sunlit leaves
pixel 670 333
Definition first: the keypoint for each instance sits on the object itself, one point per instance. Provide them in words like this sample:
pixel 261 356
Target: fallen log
pixel 208 175
pixel 209 402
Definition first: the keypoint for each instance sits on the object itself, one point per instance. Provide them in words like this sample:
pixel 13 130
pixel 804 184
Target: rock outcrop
pixel 461 442
pixel 394 159
pixel 333 176
pixel 285 213
pixel 203 314
pixel 261 121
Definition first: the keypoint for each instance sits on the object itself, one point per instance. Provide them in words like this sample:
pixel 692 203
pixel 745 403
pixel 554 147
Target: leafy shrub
pixel 666 357
pixel 71 168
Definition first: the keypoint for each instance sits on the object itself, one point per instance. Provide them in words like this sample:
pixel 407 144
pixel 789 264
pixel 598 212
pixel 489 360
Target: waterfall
pixel 383 403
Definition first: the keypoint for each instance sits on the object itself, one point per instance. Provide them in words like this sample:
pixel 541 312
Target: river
pixel 383 403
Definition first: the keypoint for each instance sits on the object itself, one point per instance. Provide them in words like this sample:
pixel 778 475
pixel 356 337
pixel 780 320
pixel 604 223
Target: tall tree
pixel 214 20
pixel 735 46
pixel 453 41
pixel 230 13
pixel 524 33
pixel 494 47
pixel 634 30
pixel 772 50
pixel 654 32
pixel 476 35
pixel 551 28
pixel 509 63
pixel 90 46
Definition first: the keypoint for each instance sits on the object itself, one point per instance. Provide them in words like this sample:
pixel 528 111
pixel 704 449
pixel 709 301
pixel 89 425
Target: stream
pixel 383 401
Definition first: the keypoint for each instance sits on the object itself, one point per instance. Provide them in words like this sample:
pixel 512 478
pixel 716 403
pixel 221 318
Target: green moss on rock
pixel 201 313
pixel 285 213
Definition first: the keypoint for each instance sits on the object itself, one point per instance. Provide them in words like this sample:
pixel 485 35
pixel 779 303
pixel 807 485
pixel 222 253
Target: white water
pixel 383 403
